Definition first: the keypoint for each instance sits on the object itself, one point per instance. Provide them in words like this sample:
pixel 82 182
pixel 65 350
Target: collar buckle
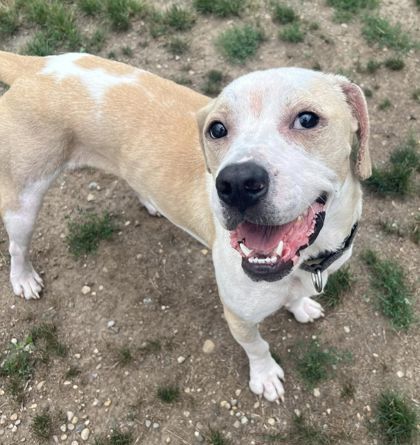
pixel 317 280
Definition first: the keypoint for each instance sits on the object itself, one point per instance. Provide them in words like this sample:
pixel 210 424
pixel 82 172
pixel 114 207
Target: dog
pixel 267 175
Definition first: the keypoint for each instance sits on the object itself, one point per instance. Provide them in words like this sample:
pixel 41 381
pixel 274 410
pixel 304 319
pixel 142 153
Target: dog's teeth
pixel 245 249
pixel 252 260
pixel 300 219
pixel 279 249
pixel 273 259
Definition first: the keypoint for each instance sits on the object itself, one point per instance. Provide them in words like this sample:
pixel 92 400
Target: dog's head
pixel 278 144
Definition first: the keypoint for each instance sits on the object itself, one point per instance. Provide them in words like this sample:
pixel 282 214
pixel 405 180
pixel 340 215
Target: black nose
pixel 242 185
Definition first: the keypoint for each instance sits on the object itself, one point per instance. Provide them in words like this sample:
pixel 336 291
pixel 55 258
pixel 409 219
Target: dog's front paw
pixel 266 379
pixel 27 283
pixel 306 310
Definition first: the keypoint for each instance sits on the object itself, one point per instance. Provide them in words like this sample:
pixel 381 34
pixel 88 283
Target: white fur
pixel 19 225
pixel 96 81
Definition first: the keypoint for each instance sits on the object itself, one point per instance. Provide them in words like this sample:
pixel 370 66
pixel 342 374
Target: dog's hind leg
pixel 19 220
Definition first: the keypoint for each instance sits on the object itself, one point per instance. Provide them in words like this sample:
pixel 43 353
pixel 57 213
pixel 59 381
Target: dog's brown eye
pixel 217 130
pixel 306 120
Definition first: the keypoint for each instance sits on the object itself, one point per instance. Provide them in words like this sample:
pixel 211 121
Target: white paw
pixel 266 379
pixel 27 283
pixel 306 310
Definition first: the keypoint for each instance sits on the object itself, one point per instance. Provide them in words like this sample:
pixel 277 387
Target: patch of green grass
pixel 292 33
pixel 345 10
pixel 177 46
pixel 385 104
pixel 367 92
pixel 40 45
pixel 179 18
pixel 372 66
pixel 214 82
pixel 397 419
pixel 215 437
pixel 120 13
pixel 338 284
pixel 239 43
pixel 415 230
pixel 127 51
pixel 220 8
pixel 415 95
pixel 394 64
pixel 17 368
pixel 9 21
pixel 96 42
pixel 124 356
pixel 45 338
pixel 284 14
pixel 396 178
pixel 90 7
pixel 348 390
pixel 377 30
pixel 314 363
pixel 117 437
pixel 86 233
pixel 390 228
pixel 392 292
pixel 168 394
pixel 42 426
pixel 182 80
pixel 72 372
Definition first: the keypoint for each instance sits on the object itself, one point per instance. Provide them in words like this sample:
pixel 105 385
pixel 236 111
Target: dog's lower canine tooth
pixel 279 249
pixel 245 249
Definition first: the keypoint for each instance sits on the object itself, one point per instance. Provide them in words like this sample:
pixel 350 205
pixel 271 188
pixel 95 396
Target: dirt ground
pixel 157 284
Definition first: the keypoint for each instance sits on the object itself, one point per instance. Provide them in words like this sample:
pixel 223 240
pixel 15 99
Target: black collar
pixel 317 265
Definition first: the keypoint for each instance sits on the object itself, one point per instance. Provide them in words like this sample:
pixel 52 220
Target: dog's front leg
pixel 265 373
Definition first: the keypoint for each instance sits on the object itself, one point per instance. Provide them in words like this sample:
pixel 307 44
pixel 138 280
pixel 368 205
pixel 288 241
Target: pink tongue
pixel 264 239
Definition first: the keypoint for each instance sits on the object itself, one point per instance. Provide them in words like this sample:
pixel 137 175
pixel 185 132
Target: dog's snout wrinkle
pixel 242 185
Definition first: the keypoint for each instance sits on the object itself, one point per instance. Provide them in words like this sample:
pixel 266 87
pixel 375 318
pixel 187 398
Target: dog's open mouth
pixel 270 252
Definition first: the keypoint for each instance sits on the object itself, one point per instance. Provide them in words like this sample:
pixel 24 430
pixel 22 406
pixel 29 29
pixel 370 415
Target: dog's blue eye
pixel 217 130
pixel 306 120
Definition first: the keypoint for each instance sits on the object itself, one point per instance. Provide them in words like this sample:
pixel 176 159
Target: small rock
pixel 17 422
pixel 75 442
pixel 148 423
pixel 317 392
pixel 237 392
pixel 225 404
pixel 90 197
pixel 400 374
pixel 70 427
pixel 180 359
pixel 208 346
pixel 85 434
pixel 13 417
pixel 297 412
pixel 63 437
pixel 70 415
pixel 107 403
pixel 244 420
pixel 271 421
pixel 111 323
pixel 156 425
pixel 346 329
pixel 237 424
pixel 198 436
pixel 14 429
pixel 94 186
pixel 86 290
pixel 1 431
pixel 204 252
pixel 63 428
pixel 74 420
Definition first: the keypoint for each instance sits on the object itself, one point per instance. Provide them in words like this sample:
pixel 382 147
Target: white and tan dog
pixel 275 193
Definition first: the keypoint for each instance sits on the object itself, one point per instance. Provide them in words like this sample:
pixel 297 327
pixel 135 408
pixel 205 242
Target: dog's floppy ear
pixel 201 120
pixel 356 99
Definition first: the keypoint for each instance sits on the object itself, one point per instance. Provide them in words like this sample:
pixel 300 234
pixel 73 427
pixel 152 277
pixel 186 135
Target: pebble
pixel 17 423
pixel 13 417
pixel 156 425
pixel 90 197
pixel 2 419
pixel 75 442
pixel 237 392
pixel 63 428
pixel 107 403
pixel 204 252
pixel 63 437
pixel 86 290
pixel 111 323
pixel 317 392
pixel 85 434
pixel 70 415
pixel 400 374
pixel 1 431
pixel 244 420
pixel 198 436
pixel 346 329
pixel 70 427
pixel 208 346
pixel 180 359
pixel 225 404
pixel 74 420
pixel 148 423
pixel 94 186
pixel 237 424
pixel 271 421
